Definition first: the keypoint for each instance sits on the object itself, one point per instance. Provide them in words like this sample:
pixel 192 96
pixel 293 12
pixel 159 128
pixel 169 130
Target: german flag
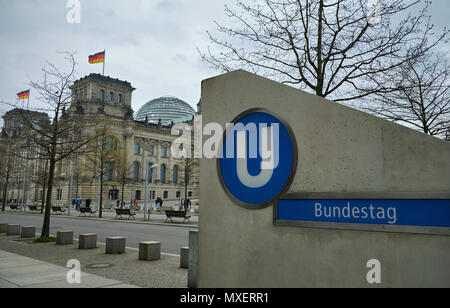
pixel 97 58
pixel 24 94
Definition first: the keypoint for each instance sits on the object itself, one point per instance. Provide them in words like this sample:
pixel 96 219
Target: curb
pixel 111 220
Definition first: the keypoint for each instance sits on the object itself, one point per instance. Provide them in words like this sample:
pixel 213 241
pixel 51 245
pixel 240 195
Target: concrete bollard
pixel 87 241
pixel 3 227
pixel 13 230
pixel 149 251
pixel 184 257
pixel 115 245
pixel 193 259
pixel 64 237
pixel 28 232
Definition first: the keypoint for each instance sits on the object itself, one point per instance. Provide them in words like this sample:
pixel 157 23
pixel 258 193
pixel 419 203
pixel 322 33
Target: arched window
pixel 119 98
pixel 136 171
pixel 108 171
pixel 102 95
pixel 111 96
pixel 175 174
pixel 164 151
pixel 163 173
pixel 111 143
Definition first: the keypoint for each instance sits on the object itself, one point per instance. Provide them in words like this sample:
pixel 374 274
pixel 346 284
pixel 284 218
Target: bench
pixel 58 209
pixel 13 207
pixel 33 208
pixel 120 212
pixel 181 214
pixel 86 210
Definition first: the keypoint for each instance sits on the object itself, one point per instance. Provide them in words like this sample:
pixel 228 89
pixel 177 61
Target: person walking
pixel 78 203
pixel 181 207
pixel 88 203
pixel 188 203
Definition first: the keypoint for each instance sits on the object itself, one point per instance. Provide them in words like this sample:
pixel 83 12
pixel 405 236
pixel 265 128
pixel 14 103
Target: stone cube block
pixel 184 257
pixel 13 230
pixel 64 237
pixel 115 245
pixel 87 241
pixel 28 232
pixel 149 251
pixel 3 227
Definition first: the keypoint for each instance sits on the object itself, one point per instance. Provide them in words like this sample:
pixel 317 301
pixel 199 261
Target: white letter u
pixel 241 164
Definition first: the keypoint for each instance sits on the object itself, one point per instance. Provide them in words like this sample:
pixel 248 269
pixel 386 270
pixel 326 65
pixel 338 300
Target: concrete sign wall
pixel 338 150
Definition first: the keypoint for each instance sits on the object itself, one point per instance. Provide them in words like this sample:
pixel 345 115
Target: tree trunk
pixel 5 194
pixel 46 226
pixel 44 187
pixel 121 201
pixel 100 201
pixel 185 191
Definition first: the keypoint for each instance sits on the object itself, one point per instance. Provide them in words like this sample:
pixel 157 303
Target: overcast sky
pixel 150 43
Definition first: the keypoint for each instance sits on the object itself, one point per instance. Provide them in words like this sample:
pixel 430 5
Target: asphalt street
pixel 172 238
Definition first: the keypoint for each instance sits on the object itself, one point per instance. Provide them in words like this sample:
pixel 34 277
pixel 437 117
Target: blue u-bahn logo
pixel 258 158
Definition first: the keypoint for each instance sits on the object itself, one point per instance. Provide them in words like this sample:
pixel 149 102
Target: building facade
pixel 144 147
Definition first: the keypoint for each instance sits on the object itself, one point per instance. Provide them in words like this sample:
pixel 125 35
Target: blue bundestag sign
pixel 258 159
pixel 401 211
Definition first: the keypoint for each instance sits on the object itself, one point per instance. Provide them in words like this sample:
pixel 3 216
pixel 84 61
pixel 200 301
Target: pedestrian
pixel 159 202
pixel 78 203
pixel 181 207
pixel 117 203
pixel 188 203
pixel 88 203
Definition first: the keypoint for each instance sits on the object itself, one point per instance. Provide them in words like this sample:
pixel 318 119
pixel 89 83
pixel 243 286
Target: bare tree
pixel 64 136
pixel 417 94
pixel 101 151
pixel 7 168
pixel 189 165
pixel 123 170
pixel 328 47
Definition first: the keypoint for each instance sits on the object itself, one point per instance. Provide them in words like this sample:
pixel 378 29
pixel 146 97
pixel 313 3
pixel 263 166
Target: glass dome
pixel 166 108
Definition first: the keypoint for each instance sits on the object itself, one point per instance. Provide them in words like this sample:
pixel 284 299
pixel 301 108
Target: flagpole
pixel 104 60
pixel 28 103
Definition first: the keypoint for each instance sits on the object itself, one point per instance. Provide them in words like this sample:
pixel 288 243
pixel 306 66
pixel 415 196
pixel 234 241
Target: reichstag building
pixel 144 138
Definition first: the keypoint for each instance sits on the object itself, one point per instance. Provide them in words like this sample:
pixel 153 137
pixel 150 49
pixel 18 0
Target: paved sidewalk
pixel 17 271
pixel 27 264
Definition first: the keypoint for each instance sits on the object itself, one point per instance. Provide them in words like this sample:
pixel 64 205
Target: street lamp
pixel 146 188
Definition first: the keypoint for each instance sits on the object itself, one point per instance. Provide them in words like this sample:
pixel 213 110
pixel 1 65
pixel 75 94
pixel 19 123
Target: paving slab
pixel 7 285
pixel 20 271
pixel 120 286
pixel 87 281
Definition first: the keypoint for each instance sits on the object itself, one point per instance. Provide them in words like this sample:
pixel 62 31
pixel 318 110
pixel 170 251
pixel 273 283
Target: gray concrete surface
pixel 87 241
pixel 339 150
pixel 17 271
pixel 149 251
pixel 28 232
pixel 64 237
pixel 125 269
pixel 13 229
pixel 115 245
pixel 193 262
pixel 184 257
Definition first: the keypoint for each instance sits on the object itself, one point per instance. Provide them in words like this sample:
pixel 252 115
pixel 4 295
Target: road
pixel 172 238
